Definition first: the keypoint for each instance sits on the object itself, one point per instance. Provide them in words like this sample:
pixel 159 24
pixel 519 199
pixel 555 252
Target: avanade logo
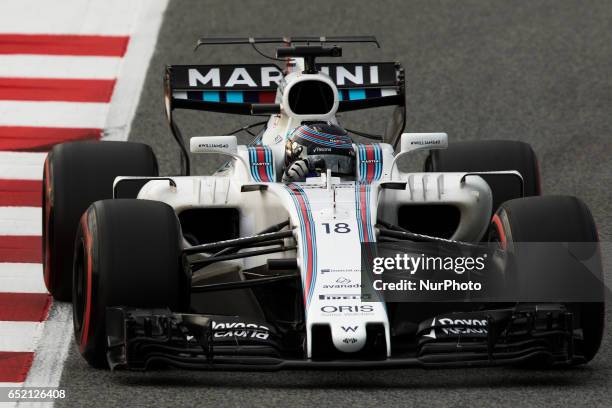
pixel 342 282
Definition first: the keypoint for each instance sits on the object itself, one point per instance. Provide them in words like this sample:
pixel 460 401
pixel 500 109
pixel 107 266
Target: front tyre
pixel 127 253
pixel 75 175
pixel 557 219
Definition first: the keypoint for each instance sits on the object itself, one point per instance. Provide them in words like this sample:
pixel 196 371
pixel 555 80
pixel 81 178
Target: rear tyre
pixel 491 155
pixel 75 175
pixel 127 253
pixel 558 219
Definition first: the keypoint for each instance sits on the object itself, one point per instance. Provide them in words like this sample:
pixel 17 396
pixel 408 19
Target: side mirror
pixel 412 142
pixel 227 145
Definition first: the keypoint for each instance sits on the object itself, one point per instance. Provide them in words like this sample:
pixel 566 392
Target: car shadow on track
pixel 399 379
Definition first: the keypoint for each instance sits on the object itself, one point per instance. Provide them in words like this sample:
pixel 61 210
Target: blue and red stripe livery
pixel 262 163
pixel 369 162
pixel 309 240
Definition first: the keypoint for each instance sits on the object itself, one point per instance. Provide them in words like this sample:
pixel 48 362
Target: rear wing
pixel 250 89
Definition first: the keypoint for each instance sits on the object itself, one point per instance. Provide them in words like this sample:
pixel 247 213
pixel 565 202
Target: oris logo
pixel 348 309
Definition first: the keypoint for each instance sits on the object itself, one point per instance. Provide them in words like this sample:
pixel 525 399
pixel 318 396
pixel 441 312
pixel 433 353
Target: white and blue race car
pixel 273 261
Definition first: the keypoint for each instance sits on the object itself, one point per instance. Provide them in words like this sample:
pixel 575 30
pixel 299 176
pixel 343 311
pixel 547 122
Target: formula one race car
pixel 261 265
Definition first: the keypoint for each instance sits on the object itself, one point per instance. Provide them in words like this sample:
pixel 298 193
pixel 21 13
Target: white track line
pixel 133 72
pixel 108 17
pixel 59 66
pixel 20 221
pixel 20 336
pixel 21 278
pixel 53 114
pixel 57 336
pixel 21 165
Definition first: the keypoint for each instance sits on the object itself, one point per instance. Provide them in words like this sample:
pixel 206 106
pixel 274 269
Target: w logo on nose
pixel 349 328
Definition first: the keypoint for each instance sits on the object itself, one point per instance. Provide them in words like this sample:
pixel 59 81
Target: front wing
pixel 141 338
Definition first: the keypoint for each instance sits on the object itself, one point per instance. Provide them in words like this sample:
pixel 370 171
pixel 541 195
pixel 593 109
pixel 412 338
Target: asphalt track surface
pixel 536 71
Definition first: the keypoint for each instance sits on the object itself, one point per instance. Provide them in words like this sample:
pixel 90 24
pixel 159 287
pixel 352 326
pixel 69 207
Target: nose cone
pixel 349 338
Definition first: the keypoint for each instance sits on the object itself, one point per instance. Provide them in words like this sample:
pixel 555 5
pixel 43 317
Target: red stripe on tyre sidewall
pixel 47 215
pixel 88 249
pixel 500 230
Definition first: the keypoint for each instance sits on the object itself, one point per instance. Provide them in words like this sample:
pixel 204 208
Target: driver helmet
pixel 320 146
